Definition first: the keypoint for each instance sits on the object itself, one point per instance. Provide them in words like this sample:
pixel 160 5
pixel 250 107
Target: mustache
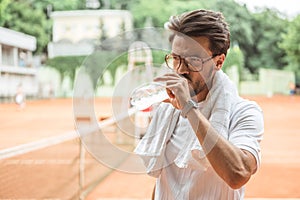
pixel 185 76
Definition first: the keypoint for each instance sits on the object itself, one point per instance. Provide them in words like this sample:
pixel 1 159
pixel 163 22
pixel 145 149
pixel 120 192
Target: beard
pixel 200 85
pixel 197 88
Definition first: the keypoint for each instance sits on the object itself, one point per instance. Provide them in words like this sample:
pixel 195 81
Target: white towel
pixel 216 108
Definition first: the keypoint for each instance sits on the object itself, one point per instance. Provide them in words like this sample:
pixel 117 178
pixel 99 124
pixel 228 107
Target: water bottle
pixel 148 94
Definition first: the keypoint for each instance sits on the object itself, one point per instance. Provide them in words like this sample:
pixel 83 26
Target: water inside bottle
pixel 148 94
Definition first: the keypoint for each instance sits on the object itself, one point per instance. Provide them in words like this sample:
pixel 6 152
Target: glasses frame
pixel 203 60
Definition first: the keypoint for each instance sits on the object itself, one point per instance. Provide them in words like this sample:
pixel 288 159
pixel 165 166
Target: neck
pixel 202 95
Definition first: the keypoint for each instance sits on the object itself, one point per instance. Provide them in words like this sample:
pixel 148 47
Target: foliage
pixel 158 56
pixel 57 5
pixel 95 64
pixel 290 44
pixel 101 61
pixel 66 65
pixel 117 4
pixel 159 11
pixel 257 34
pixel 30 17
pixel 265 52
pixel 239 19
pixel 21 16
pixel 234 57
pixel 241 33
pixel 4 16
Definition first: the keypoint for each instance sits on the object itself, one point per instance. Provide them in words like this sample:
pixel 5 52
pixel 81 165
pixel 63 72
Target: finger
pixel 166 77
pixel 172 101
pixel 161 79
pixel 170 93
pixel 173 82
pixel 167 101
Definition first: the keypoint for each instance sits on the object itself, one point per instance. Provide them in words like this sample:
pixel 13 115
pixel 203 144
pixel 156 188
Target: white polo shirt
pixel 193 178
pixel 172 153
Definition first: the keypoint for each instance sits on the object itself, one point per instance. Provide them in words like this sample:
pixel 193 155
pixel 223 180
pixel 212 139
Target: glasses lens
pixel 194 63
pixel 172 61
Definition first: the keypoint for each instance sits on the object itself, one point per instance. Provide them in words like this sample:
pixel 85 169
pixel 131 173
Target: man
pixel 204 142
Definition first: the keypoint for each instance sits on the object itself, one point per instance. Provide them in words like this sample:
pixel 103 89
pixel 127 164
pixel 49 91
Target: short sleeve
pixel 246 128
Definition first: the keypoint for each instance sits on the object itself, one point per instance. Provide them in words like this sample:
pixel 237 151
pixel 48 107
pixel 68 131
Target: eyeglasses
pixel 194 64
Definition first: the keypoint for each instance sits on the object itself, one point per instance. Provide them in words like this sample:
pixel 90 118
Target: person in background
pixel 204 141
pixel 292 87
pixel 20 97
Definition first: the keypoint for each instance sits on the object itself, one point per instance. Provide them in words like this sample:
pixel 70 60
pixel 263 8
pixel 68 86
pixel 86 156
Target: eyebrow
pixel 174 54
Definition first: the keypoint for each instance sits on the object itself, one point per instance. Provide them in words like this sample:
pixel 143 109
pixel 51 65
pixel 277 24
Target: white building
pixel 77 32
pixel 16 66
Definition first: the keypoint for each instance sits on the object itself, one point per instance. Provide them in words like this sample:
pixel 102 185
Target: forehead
pixel 191 46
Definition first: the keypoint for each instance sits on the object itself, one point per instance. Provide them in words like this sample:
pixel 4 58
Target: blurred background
pixel 43 44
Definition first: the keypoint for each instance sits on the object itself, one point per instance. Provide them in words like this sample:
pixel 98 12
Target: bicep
pixel 246 133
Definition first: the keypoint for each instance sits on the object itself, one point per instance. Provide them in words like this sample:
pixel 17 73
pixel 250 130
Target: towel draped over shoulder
pixel 216 108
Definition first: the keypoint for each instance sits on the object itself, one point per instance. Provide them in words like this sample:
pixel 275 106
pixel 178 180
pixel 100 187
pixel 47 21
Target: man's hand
pixel 177 88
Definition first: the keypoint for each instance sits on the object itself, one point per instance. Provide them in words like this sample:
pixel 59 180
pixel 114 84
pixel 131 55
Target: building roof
pixel 17 39
pixel 76 13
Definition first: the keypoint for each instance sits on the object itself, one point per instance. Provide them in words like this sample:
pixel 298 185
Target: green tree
pixel 239 19
pixel 157 10
pixel 160 10
pixel 117 4
pixel 4 16
pixel 30 17
pixel 57 5
pixel 22 17
pixel 235 57
pixel 66 65
pixel 265 52
pixel 256 34
pixel 290 43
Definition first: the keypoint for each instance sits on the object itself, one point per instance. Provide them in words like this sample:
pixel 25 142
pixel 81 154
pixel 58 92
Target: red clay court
pixel 53 172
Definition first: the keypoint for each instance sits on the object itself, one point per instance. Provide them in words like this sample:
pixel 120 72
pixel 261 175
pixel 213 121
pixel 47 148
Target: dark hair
pixel 203 23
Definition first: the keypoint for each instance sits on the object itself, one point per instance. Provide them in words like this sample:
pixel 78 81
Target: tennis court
pixel 53 172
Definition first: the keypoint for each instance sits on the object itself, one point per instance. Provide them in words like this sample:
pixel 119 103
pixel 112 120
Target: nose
pixel 183 67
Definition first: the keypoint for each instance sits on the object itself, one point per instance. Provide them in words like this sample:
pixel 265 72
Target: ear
pixel 220 61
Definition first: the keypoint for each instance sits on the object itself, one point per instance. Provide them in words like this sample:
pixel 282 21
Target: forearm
pixel 232 164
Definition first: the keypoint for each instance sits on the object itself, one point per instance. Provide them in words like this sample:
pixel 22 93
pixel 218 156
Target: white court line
pixel 70 135
pixel 272 198
pixel 123 199
pixel 244 199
